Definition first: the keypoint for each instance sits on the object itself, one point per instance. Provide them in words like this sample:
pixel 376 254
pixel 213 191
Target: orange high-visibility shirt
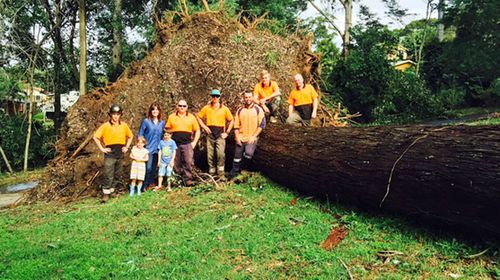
pixel 216 117
pixel 261 91
pixel 182 127
pixel 113 134
pixel 247 120
pixel 303 96
pixel 186 123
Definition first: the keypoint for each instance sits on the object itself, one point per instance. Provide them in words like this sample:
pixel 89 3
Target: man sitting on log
pixel 302 103
pixel 248 124
pixel 267 95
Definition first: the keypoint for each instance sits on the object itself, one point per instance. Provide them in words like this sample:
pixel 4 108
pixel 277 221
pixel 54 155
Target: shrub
pixel 13 139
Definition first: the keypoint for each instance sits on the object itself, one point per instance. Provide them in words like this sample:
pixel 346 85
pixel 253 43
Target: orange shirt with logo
pixel 248 120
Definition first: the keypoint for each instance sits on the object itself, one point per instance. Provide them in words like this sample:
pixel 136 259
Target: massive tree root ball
pixel 192 57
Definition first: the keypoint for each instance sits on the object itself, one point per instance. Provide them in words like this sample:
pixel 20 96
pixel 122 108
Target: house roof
pixel 401 62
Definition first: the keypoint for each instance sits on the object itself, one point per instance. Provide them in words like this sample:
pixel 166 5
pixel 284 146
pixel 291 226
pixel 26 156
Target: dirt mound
pixel 205 52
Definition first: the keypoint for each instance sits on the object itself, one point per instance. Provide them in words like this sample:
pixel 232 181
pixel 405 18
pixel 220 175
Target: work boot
pixel 232 174
pixel 222 178
pixel 211 171
pixel 105 198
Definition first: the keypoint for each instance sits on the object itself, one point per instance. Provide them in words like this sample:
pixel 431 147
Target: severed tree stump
pixel 449 175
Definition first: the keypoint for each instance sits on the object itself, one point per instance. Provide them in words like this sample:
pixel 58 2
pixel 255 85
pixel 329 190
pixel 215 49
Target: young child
pixel 166 156
pixel 113 139
pixel 139 156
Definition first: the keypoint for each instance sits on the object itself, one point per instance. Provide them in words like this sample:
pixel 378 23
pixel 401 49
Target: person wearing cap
pixel 219 122
pixel 267 94
pixel 113 138
pixel 302 103
pixel 249 121
pixel 183 126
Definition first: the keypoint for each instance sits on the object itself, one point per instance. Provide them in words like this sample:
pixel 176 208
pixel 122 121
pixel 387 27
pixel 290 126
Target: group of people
pixel 163 147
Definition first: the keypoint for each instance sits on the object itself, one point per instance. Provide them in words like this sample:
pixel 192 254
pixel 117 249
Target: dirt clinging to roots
pixel 204 52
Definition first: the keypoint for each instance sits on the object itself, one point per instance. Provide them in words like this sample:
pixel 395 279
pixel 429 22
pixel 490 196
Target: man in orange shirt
pixel 113 139
pixel 248 124
pixel 217 115
pixel 302 103
pixel 183 125
pixel 267 95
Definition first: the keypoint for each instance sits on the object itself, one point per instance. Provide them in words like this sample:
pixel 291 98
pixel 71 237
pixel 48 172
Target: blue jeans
pixel 151 170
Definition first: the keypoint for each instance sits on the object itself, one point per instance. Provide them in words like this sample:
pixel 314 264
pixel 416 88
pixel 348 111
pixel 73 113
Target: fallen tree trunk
pixel 449 175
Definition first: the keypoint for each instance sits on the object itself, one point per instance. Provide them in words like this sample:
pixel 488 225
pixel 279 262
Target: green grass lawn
pixel 491 121
pixel 254 230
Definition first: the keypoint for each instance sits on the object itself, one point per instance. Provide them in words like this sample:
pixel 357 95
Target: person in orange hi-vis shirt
pixel 219 122
pixel 183 125
pixel 113 138
pixel 267 94
pixel 249 122
pixel 302 103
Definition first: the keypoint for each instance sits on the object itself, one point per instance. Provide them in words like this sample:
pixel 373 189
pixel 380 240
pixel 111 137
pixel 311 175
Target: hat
pixel 115 109
pixel 215 92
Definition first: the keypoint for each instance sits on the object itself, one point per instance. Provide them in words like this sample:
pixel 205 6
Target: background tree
pixel 471 60
pixel 328 14
pixel 83 47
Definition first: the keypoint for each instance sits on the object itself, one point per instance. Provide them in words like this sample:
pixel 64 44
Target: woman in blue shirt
pixel 152 129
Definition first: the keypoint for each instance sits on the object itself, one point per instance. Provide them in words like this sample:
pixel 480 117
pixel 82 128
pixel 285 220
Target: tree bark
pixel 83 48
pixel 445 175
pixel 440 26
pixel 428 14
pixel 117 40
pixel 347 27
pixel 57 90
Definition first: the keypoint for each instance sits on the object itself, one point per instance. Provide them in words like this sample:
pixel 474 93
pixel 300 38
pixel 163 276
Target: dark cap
pixel 115 109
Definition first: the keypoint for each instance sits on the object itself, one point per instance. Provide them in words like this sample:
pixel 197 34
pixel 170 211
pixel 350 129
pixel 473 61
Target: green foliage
pixel 364 78
pixel 13 139
pixel 271 58
pixel 452 98
pixel 408 99
pixel 369 84
pixel 283 11
pixel 247 231
pixel 9 85
pixel 472 59
pixel 412 35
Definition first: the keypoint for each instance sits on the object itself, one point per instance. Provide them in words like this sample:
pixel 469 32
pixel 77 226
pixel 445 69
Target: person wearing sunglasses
pixel 185 133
